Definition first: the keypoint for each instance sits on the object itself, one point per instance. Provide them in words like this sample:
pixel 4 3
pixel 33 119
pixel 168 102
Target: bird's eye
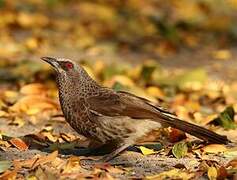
pixel 68 65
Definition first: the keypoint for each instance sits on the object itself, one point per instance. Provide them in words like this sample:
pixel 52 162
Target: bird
pixel 113 118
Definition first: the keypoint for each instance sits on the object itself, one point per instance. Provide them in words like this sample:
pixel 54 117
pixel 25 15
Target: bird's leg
pixel 114 153
pixel 107 157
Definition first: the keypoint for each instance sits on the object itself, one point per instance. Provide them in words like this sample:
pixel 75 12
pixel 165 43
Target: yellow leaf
pixel 34 88
pixel 3 114
pixel 222 54
pixel 73 164
pixel 36 102
pixel 155 91
pixel 214 148
pixel 124 80
pixel 212 173
pixel 172 174
pixel 32 43
pixel 10 94
pixel 146 151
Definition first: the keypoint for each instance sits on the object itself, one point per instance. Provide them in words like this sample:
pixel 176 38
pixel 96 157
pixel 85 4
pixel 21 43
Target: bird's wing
pixel 111 103
pixel 159 108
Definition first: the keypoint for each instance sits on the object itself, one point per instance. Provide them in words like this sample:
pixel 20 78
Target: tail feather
pixel 194 130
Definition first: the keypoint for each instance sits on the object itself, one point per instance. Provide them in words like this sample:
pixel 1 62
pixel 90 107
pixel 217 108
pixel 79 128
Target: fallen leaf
pixel 226 118
pixel 121 79
pixel 33 89
pixel 42 173
pixel 19 144
pixel 194 80
pixel 38 160
pixel 231 153
pixel 8 175
pixel 146 151
pixel 33 104
pixel 212 173
pixel 222 54
pixel 180 149
pixel 214 148
pixel 172 174
pixel 46 159
pixel 155 91
pixel 73 165
pixel 232 163
pixel 4 165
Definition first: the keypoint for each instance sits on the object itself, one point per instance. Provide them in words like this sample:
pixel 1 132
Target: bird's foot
pixel 93 163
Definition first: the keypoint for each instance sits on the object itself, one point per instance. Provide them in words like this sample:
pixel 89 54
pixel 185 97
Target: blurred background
pixel 153 48
pixel 177 34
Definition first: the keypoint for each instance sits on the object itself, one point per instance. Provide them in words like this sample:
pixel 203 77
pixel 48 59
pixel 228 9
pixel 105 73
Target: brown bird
pixel 113 117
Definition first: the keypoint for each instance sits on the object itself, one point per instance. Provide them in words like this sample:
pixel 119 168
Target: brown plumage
pixel 109 117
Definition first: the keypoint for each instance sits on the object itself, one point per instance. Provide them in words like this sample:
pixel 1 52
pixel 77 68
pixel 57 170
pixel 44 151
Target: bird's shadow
pixel 70 148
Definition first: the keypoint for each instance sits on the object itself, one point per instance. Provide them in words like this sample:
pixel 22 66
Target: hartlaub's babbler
pixel 117 117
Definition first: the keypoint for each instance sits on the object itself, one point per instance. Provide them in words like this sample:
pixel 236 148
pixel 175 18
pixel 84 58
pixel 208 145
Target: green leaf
pixel 147 71
pixel 4 165
pixel 185 80
pixel 226 118
pixel 118 86
pixel 180 149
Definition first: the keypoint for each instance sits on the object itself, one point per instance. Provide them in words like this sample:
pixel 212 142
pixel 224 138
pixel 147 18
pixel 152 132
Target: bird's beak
pixel 52 61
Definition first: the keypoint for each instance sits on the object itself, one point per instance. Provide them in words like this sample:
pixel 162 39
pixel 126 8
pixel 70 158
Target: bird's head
pixel 69 71
pixel 61 65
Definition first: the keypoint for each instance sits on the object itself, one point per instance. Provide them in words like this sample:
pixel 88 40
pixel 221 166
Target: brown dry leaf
pixel 38 160
pixel 33 104
pixel 214 148
pixel 101 174
pixel 46 159
pixel 8 175
pixel 50 136
pixel 232 163
pixel 19 144
pixel 34 88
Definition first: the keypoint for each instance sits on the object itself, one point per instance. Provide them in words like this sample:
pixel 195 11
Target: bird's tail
pixel 193 129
